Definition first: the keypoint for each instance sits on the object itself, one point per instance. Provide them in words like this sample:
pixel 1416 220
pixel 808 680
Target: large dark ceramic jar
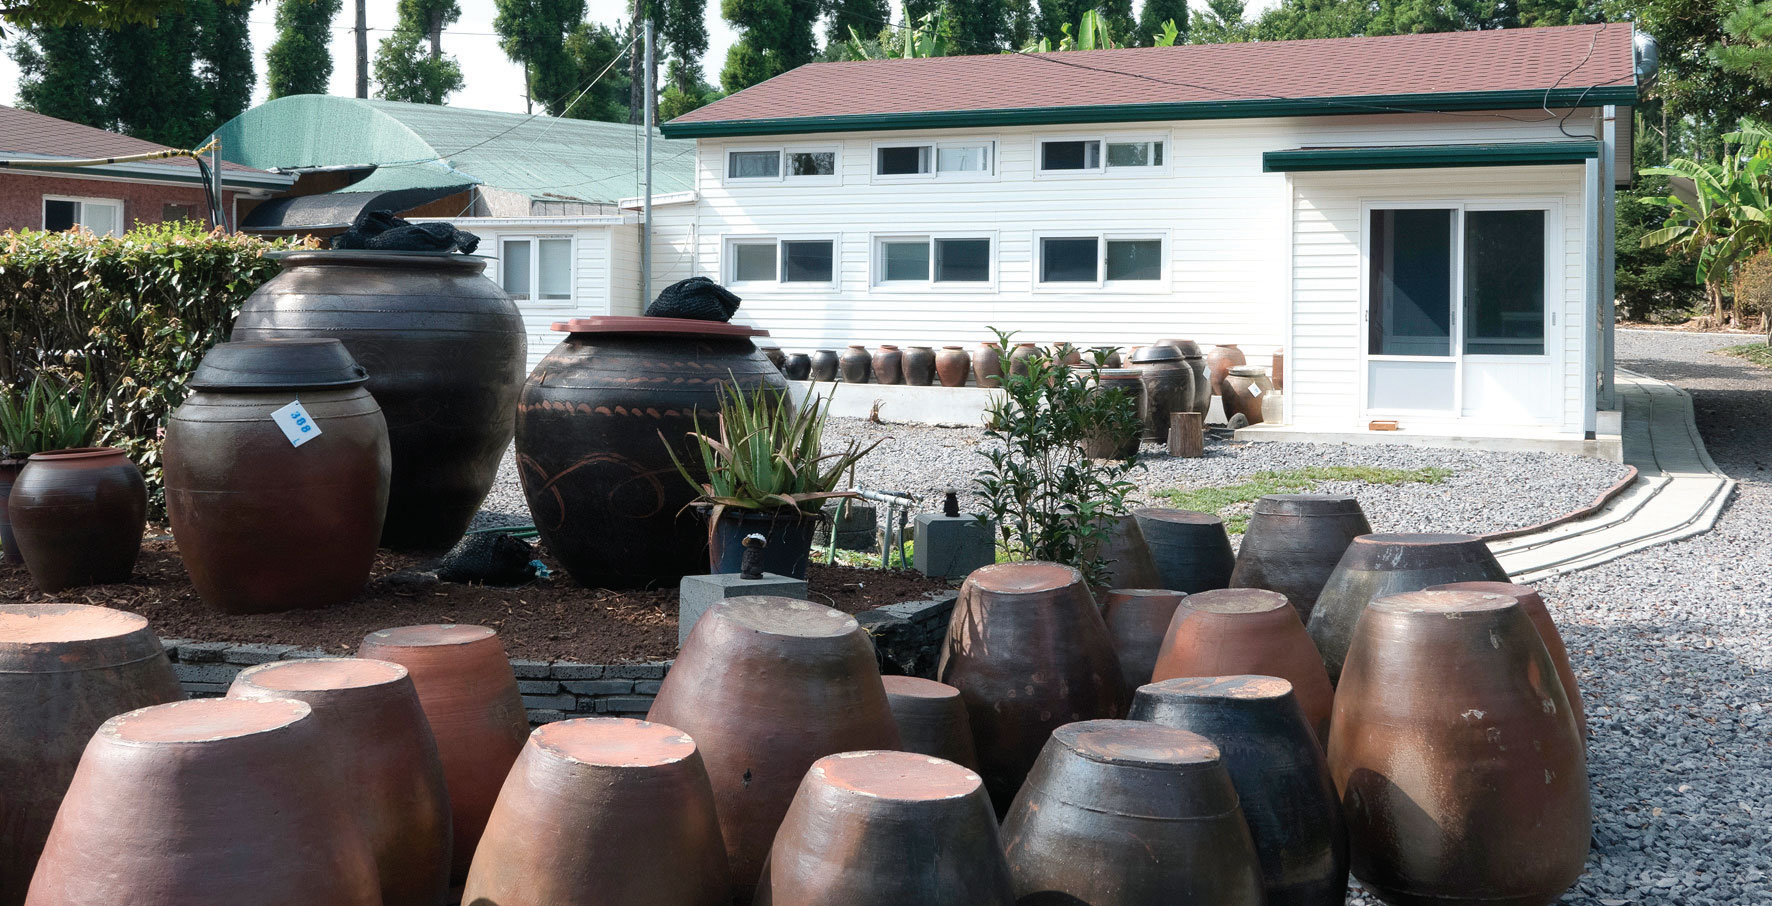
pixel 919 366
pixel 592 431
pixel 1196 361
pixel 78 517
pixel 797 366
pixel 445 350
pixel 888 365
pixel 855 364
pixel 241 496
pixel 1168 388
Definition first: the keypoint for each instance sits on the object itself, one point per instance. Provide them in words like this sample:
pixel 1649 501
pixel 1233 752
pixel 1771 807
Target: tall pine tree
pixel 63 74
pixel 1157 12
pixel 224 60
pixel 299 61
pixel 410 64
pixel 592 48
pixel 975 26
pixel 867 17
pixel 774 37
pixel 533 33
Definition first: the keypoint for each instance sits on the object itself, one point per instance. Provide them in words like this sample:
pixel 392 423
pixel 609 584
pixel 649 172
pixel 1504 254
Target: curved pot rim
pixel 378 257
pixel 77 453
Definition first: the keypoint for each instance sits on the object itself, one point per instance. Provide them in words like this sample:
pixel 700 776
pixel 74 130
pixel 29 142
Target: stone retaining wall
pixel 907 637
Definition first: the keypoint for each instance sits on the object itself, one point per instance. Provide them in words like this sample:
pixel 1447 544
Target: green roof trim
pixel 1412 157
pixel 1188 110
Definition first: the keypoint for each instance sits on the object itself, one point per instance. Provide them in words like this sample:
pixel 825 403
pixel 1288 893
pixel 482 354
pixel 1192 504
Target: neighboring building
pixel 544 194
pixel 109 198
pixel 1422 223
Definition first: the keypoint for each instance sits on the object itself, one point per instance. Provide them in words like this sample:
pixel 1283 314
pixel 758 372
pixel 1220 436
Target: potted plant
pixel 767 474
pixel 42 418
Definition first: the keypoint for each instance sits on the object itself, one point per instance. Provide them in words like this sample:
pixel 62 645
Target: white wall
pixel 594 269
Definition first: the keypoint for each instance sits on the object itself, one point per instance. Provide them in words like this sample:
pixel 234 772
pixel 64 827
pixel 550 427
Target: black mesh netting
pixel 382 231
pixel 488 559
pixel 698 298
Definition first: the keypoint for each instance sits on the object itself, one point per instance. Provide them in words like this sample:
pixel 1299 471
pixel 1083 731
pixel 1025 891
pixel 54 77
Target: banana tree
pixel 1728 219
pixel 925 38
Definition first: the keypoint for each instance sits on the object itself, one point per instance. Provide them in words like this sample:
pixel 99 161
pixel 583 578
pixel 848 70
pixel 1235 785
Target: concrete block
pixel 626 705
pixel 560 702
pixel 648 687
pixel 635 671
pixel 307 654
pixel 695 594
pixel 539 716
pixel 222 674
pixel 248 655
pixel 526 669
pixel 202 652
pixel 951 547
pixel 600 687
pixel 565 671
pixel 538 687
pixel 171 646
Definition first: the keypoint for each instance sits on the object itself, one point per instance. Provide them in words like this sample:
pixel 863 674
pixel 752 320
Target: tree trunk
pixel 436 31
pixel 363 48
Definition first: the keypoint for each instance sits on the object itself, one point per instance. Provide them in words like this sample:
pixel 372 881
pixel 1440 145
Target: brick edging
pixel 1599 503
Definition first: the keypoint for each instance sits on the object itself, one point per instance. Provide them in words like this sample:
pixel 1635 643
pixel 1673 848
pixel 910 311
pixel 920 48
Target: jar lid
pixel 1152 354
pixel 686 327
pixel 278 365
pixel 1248 371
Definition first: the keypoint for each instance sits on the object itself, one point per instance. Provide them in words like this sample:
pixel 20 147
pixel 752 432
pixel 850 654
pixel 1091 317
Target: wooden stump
pixel 1187 434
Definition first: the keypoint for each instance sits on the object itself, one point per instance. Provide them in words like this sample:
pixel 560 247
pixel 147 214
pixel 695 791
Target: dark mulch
pixel 552 620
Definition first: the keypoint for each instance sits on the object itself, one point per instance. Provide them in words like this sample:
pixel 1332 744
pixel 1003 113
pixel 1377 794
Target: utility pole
pixel 646 203
pixel 220 214
pixel 363 48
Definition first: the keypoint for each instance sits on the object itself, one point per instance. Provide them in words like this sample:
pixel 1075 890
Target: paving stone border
pixel 907 637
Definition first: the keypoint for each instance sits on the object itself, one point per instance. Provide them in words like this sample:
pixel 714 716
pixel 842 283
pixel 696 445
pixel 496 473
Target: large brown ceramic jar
pixel 1388 564
pixel 1196 362
pixel 987 365
pixel 469 694
pixel 1247 631
pixel 64 669
pixel 241 496
pixel 951 365
pixel 445 349
pixel 1027 648
pixel 78 517
pixel 1168 388
pixel 1281 776
pixel 9 469
pixel 1103 445
pixel 1191 551
pixel 1137 620
pixel 214 801
pixel 766 686
pixel 1533 604
pixel 603 811
pixel 931 719
pixel 919 366
pixel 1293 543
pixel 887 829
pixel 592 434
pixel 823 365
pixel 888 364
pixel 1245 389
pixel 383 754
pixel 1129 562
pixel 1456 754
pixel 1219 363
pixel 856 364
pixel 1127 813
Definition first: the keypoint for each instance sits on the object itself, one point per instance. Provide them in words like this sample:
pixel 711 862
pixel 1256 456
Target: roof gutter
pixel 1555 98
pixel 1412 157
pixel 164 173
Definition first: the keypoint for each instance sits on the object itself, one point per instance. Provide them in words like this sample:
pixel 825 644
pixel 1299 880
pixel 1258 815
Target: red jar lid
pixel 666 326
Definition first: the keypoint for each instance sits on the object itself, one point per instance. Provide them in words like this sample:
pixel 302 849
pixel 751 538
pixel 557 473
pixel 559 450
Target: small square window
pixel 963 159
pixel 1135 259
pixel 962 260
pixel 60 215
pixel 904 160
pixel 1069 260
pixel 516 268
pixel 1070 155
pixel 1135 154
pixel 807 262
pixel 554 268
pixel 753 262
pixel 753 165
pixel 904 260
pixel 812 163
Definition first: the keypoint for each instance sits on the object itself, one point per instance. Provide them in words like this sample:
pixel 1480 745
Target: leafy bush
pixel 1653 284
pixel 124 320
pixel 1753 288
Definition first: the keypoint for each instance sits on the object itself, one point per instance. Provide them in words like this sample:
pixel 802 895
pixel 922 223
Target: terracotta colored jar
pixel 1386 564
pixel 78 517
pixel 258 818
pixel 931 719
pixel 766 686
pixel 446 350
pixel 987 365
pixel 1191 551
pixel 887 829
pixel 1102 784
pixel 919 366
pixel 797 366
pixel 9 469
pixel 384 754
pixel 600 483
pixel 1473 787
pixel 1018 357
pixel 1293 543
pixel 1533 604
pixel 1027 648
pixel 1068 354
pixel 1110 356
pixel 1219 363
pixel 627 815
pixel 888 365
pixel 1138 619
pixel 64 669
pixel 1279 369
pixel 1104 445
pixel 241 496
pixel 1281 776
pixel 1247 631
pixel 1245 388
pixel 469 695
pixel 824 365
pixel 1168 388
pixel 1129 562
pixel 856 364
pixel 952 364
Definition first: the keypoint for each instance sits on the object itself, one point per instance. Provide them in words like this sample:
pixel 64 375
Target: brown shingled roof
pixel 27 134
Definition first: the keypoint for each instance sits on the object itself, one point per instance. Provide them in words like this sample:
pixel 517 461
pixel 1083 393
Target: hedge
pixel 125 318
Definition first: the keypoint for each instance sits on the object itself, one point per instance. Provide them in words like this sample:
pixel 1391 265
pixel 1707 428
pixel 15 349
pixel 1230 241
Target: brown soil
pixel 550 620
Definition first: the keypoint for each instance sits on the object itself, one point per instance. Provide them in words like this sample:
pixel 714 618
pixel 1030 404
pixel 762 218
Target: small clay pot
pixel 888 365
pixel 469 694
pixel 1244 390
pixel 987 365
pixel 1110 356
pixel 207 802
pixel 78 516
pixel 626 813
pixel 1066 354
pixel 1129 558
pixel 1533 604
pixel 766 686
pixel 64 669
pixel 931 719
pixel 951 365
pixel 1456 753
pixel 887 829
pixel 384 754
pixel 1027 648
pixel 775 356
pixel 855 364
pixel 9 469
pixel 1018 357
pixel 1192 551
pixel 1387 564
pixel 1219 363
pixel 1293 543
pixel 1281 776
pixel 1138 619
pixel 1103 784
pixel 797 366
pixel 1247 631
pixel 823 365
pixel 919 366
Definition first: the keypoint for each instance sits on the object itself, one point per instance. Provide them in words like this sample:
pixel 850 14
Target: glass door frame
pixel 1554 266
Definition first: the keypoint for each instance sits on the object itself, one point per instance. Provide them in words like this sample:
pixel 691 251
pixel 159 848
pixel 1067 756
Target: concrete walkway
pixel 1678 493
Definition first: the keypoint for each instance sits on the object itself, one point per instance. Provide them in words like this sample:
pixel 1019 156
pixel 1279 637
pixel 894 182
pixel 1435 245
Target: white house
pixel 1422 223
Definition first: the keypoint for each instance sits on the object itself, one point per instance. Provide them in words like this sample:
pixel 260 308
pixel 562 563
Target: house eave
pixel 1415 157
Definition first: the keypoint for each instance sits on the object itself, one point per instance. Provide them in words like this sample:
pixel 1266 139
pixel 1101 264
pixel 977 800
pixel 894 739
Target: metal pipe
pixel 646 205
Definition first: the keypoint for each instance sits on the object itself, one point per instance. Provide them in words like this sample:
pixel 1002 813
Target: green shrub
pixel 124 320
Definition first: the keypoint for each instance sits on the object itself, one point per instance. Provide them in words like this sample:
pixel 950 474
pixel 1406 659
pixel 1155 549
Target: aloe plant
pixel 48 415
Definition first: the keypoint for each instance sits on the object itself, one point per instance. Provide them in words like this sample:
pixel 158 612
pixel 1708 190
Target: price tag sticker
pixel 1254 389
pixel 296 423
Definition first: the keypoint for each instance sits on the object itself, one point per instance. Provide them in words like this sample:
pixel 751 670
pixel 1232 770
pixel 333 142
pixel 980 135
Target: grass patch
pixel 1758 353
pixel 1234 498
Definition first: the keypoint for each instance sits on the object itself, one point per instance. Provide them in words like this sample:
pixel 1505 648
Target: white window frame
pixel 534 241
pixel 79 215
pixel 782 174
pixel 877 281
pixel 1102 238
pixel 729 263
pixel 1105 138
pixel 935 147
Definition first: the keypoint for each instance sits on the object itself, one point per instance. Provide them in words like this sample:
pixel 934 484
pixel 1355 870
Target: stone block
pixel 539 716
pixel 220 674
pixel 308 654
pixel 636 671
pixel 565 671
pixel 202 652
pixel 600 687
pixel 950 547
pixel 626 704
pixel 526 669
pixel 171 646
pixel 648 687
pixel 559 702
pixel 538 687
pixel 695 594
pixel 248 655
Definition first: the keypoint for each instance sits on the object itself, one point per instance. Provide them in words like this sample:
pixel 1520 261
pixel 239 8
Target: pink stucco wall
pixel 21 198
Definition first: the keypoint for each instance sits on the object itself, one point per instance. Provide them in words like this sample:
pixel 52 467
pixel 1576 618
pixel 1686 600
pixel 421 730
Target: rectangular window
pixel 1134 259
pixel 1070 155
pixel 812 163
pixel 753 262
pixel 807 261
pixel 1098 260
pixel 1070 260
pixel 1410 300
pixel 963 159
pixel 554 269
pixel 60 215
pixel 1135 154
pixel 904 160
pixel 536 269
pixel 962 260
pixel 1504 282
pixel 753 164
pixel 904 260
pixel 517 268
pixel 944 260
pixel 104 217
